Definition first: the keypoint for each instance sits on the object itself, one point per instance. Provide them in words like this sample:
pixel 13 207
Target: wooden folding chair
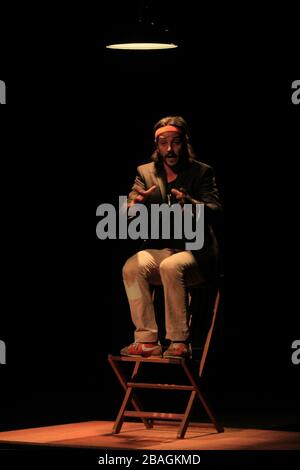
pixel 132 383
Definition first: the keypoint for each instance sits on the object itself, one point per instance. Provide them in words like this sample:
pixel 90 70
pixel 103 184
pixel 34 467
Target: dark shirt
pixel 172 243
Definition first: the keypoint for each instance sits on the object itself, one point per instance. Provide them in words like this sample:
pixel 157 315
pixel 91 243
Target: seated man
pixel 172 177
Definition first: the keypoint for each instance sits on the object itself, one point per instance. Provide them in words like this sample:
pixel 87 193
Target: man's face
pixel 170 147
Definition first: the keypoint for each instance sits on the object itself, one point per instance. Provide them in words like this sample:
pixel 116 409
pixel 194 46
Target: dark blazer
pixel 198 181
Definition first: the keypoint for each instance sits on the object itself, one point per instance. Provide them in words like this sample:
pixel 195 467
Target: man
pixel 172 177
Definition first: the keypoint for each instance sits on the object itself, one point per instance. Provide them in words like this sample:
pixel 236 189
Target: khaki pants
pixel 175 270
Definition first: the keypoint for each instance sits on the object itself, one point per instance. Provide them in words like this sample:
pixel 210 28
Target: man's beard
pixel 176 167
pixel 182 161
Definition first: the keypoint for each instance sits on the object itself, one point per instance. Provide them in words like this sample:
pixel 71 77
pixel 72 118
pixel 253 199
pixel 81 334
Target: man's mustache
pixel 171 154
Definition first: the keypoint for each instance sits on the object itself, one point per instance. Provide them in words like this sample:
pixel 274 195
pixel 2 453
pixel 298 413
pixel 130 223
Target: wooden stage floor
pixel 97 435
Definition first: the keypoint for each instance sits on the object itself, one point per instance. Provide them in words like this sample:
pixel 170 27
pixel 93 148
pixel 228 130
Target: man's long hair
pixel 188 152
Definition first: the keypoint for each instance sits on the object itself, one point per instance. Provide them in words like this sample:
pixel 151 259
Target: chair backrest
pixel 210 332
pixel 204 309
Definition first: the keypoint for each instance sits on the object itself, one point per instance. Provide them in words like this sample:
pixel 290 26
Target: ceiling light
pixel 147 33
pixel 142 46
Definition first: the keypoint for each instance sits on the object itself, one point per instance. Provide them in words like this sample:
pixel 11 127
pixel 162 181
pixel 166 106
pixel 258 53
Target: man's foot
pixel 142 350
pixel 178 351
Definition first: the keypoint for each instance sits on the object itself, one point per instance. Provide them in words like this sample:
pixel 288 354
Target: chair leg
pixel 200 395
pixel 134 400
pixel 209 411
pixel 120 418
pixel 187 415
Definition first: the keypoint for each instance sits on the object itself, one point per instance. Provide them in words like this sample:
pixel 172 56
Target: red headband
pixel 163 129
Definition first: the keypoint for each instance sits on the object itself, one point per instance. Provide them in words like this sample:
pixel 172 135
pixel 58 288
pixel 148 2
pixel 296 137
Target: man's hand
pixel 142 195
pixel 180 195
pixel 183 197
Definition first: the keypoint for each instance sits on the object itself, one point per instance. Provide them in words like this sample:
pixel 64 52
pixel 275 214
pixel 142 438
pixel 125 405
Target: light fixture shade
pixel 145 34
pixel 141 46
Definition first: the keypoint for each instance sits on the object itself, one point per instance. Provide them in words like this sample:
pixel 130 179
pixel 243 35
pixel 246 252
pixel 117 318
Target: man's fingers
pixel 145 192
pixel 178 194
pixel 150 190
pixel 137 189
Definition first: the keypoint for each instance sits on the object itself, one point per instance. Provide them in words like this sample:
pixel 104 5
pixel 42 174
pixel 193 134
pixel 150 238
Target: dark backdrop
pixel 79 122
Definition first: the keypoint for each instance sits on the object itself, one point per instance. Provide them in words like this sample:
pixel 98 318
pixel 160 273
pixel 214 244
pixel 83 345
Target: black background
pixel 78 121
